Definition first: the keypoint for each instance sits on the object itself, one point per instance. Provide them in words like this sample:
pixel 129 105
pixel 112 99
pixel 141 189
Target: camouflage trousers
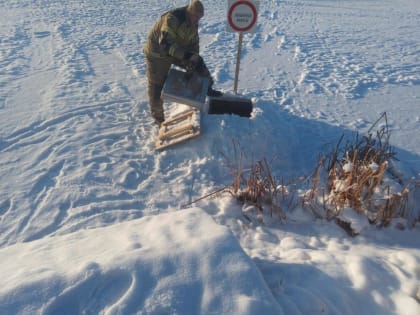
pixel 156 73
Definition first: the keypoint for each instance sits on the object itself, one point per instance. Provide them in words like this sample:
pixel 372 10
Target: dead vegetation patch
pixel 357 174
pixel 254 185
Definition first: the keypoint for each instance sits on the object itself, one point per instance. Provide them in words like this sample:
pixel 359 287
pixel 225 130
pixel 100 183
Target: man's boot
pixel 211 91
pixel 156 103
pixel 214 93
pixel 158 116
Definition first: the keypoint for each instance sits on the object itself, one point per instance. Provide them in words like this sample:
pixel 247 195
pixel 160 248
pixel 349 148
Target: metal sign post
pixel 242 17
pixel 238 61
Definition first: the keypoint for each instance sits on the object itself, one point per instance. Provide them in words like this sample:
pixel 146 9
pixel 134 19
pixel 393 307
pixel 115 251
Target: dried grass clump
pixel 255 185
pixel 356 175
pixel 414 200
pixel 356 178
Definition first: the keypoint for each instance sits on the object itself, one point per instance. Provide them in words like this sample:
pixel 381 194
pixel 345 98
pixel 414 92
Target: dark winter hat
pixel 196 8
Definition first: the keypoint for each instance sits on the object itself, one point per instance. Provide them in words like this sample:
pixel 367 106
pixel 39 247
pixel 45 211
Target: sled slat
pixel 178 129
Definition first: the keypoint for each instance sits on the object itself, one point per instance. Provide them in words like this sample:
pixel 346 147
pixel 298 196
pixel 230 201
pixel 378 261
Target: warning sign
pixel 242 15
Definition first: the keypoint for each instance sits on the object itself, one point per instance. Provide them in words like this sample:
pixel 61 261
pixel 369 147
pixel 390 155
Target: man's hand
pixel 194 62
pixel 191 62
pixel 194 59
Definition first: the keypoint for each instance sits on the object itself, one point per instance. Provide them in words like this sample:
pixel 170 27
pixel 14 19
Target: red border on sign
pixel 254 11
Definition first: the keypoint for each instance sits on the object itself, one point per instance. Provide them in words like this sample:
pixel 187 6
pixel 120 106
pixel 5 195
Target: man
pixel 174 40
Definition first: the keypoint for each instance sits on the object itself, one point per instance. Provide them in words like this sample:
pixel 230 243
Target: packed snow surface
pixel 94 220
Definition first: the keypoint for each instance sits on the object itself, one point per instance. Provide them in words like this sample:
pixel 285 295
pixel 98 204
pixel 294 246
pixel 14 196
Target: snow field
pixel 90 213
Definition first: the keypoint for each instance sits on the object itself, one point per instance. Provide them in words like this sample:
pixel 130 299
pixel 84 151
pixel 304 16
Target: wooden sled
pixel 178 129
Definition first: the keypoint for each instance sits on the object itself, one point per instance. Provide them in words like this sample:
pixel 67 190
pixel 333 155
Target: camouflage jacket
pixel 172 36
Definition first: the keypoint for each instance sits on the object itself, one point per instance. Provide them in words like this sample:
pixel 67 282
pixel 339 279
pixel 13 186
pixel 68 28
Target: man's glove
pixel 194 62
